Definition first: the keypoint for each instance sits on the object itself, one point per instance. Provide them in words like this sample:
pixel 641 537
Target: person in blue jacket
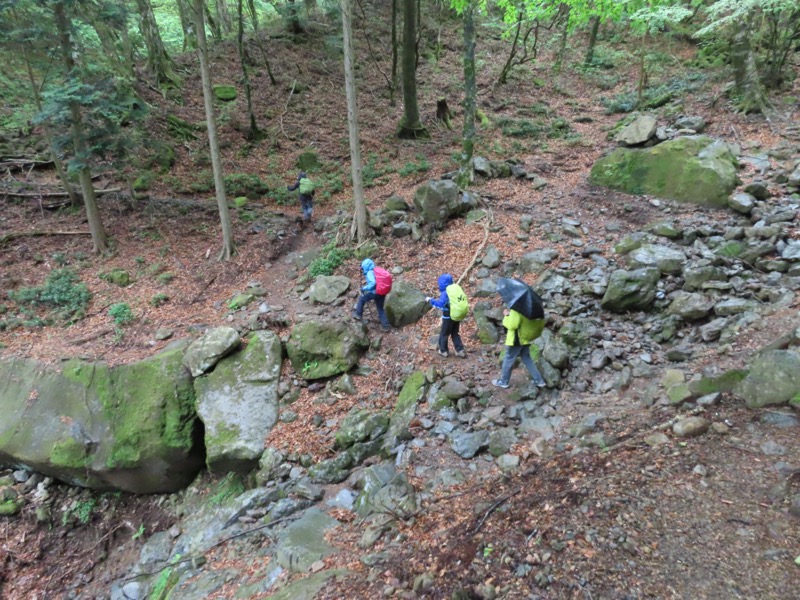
pixel 368 294
pixel 449 327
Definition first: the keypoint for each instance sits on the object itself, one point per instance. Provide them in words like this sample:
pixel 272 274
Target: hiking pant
pixel 308 206
pixel 524 354
pixel 379 300
pixel 450 330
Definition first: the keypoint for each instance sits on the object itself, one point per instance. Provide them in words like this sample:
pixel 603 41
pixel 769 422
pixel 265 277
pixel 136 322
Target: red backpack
pixel 383 281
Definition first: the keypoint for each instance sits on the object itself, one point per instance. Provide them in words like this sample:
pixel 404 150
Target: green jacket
pixel 521 330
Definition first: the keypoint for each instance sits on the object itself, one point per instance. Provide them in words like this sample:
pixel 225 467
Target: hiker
pixel 306 187
pixel 450 322
pixel 521 333
pixel 375 290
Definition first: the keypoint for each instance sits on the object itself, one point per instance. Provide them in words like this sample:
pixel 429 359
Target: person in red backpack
pixel 369 292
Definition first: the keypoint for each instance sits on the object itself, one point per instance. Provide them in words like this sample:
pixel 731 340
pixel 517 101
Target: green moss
pixel 723 383
pixel 69 453
pixel 225 93
pixel 9 508
pixel 231 486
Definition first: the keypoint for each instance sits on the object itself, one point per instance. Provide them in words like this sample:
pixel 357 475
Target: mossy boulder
pixel 361 425
pixel 130 427
pixel 774 378
pixel 327 288
pixel 631 290
pixel 118 277
pixel 323 347
pixel 238 403
pixel 694 169
pixel 438 201
pixel 404 410
pixel 405 304
pixel 209 349
pixel 224 93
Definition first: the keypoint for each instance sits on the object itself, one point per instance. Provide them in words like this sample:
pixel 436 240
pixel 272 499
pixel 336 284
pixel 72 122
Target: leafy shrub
pixel 371 172
pixel 166 278
pixel 121 313
pixel 330 259
pixel 420 166
pixel 159 299
pixel 61 291
pixel 245 184
pixel 539 128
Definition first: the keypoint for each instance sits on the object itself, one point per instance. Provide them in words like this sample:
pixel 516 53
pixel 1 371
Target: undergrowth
pixel 62 294
pixel 329 260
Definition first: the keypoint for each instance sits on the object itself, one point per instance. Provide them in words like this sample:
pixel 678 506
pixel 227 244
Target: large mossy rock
pixel 323 347
pixel 405 304
pixel 631 290
pixel 361 425
pixel 665 259
pixel 404 411
pixel 130 427
pixel 238 404
pixel 774 378
pixel 438 201
pixel 224 93
pixel 695 169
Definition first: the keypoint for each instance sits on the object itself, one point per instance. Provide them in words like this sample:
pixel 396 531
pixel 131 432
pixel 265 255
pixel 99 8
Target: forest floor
pixel 666 530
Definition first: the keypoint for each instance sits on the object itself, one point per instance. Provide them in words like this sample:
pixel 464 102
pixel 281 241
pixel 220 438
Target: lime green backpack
pixel 306 186
pixel 459 306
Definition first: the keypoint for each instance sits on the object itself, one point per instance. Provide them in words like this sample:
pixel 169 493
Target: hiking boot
pixel 461 354
pixel 541 384
pixel 500 384
pixel 386 327
pixel 444 354
pixel 355 315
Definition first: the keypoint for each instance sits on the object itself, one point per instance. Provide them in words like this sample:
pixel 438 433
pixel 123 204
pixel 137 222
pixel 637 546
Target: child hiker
pixel 306 187
pixel 451 319
pixel 378 284
pixel 521 333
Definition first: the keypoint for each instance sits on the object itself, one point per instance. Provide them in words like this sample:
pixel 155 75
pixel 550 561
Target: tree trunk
pixel 410 125
pixel 393 85
pixel 360 209
pixel 592 41
pixel 74 199
pixel 213 144
pixel 189 38
pixel 251 8
pixel 253 132
pixel 466 174
pixel 747 83
pixel 213 23
pixel 158 61
pixel 99 239
pixel 562 46
pixel 294 19
pixel 223 16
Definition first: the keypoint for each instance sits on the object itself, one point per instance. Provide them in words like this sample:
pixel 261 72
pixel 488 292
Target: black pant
pixel 450 330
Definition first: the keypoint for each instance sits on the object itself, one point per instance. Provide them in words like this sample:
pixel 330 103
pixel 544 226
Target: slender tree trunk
pixel 99 239
pixel 189 39
pixel 294 19
pixel 74 198
pixel 158 61
pixel 410 125
pixel 592 41
pixel 251 8
pixel 393 86
pixel 213 23
pixel 470 98
pixel 213 144
pixel 252 132
pixel 360 214
pixel 223 16
pixel 748 88
pixel 562 47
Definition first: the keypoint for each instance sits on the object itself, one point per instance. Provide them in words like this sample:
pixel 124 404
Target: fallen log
pixel 46 194
pixel 4 239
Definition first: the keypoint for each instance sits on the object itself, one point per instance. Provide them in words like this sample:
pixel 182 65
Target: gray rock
pixel 712 330
pixel 385 491
pixel 791 251
pixel 401 229
pixel 302 543
pixel 396 203
pixel 772 448
pixel 332 470
pixel 467 444
pixel 690 427
pixel 326 289
pixel 695 276
pixel 501 440
pixel 535 262
pixel 774 378
pixel 742 203
pixel 599 359
pixel 208 350
pixel 665 259
pixel 438 201
pixel 695 123
pixel 630 290
pixel 641 129
pixel 779 419
pixel 491 258
pixel 405 304
pixel 690 306
pixel 733 306
pixel 344 499
pixel 482 166
pixel 238 403
pixel 133 590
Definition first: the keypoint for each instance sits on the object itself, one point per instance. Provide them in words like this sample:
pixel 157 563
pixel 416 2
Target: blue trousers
pixel 524 354
pixel 308 206
pixel 379 300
